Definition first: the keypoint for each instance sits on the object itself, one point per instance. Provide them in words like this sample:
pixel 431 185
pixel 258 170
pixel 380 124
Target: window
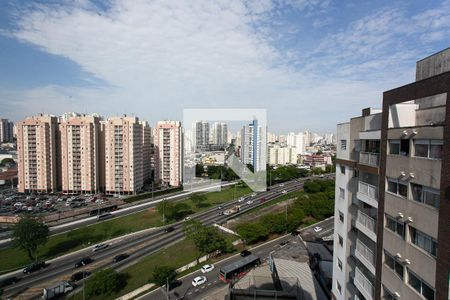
pixel 425 195
pixel 398 187
pixel 395 226
pixel 343 144
pixel 338 286
pixel 420 286
pixel 341 193
pixel 339 264
pixel 341 241
pixel 428 148
pixel 399 147
pixel 341 217
pixel 423 241
pixel 342 169
pixel 393 264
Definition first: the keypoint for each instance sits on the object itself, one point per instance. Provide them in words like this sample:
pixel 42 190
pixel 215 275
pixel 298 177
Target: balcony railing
pixel 362 282
pixel 367 221
pixel 367 158
pixel 369 190
pixel 365 252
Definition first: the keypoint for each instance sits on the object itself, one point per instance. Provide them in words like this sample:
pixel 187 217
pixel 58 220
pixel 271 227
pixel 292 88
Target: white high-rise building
pixel 251 146
pixel 201 134
pixel 220 134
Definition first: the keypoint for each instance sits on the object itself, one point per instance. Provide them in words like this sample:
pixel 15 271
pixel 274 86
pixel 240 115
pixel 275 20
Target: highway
pixel 137 245
pixel 213 284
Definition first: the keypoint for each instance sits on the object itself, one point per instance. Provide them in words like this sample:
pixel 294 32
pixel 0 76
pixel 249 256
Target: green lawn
pixel 57 245
pixel 288 196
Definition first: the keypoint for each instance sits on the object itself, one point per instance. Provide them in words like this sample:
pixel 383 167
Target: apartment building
pixel 168 153
pixel 147 148
pixel 123 155
pixel 6 131
pixel 281 155
pixel 392 231
pixel 37 155
pixel 80 158
pixel 252 151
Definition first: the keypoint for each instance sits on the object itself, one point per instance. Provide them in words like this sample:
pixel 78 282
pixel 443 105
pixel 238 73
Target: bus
pixel 238 268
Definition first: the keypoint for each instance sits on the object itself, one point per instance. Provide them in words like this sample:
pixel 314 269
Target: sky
pixel 310 63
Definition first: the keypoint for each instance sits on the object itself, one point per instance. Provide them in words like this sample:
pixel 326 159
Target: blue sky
pixel 310 63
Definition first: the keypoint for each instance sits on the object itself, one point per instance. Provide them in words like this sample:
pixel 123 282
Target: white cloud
pixel 158 57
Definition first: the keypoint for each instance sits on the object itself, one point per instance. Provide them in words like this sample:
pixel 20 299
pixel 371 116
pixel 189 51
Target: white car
pixel 207 268
pixel 99 247
pixel 187 218
pixel 241 199
pixel 317 229
pixel 253 194
pixel 284 192
pixel 249 202
pixel 199 280
pixel 281 185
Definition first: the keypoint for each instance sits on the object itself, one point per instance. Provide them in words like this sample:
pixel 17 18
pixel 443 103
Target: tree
pixel 199 200
pixel 105 282
pixel 165 208
pixel 207 239
pixel 252 232
pixel 199 170
pixel 28 234
pixel 163 274
pixel 6 161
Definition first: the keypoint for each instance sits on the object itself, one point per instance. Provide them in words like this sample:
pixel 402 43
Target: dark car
pixel 34 267
pixel 84 261
pixel 120 257
pixel 245 253
pixel 79 275
pixel 169 229
pixel 295 232
pixel 174 284
pixel 8 281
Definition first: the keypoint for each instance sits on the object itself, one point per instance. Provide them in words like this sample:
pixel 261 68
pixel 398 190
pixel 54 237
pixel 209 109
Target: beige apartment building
pixel 81 162
pixel 392 209
pixel 37 146
pixel 146 150
pixel 123 155
pixel 168 153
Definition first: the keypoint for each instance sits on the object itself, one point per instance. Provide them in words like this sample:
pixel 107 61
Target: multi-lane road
pixel 137 245
pixel 214 286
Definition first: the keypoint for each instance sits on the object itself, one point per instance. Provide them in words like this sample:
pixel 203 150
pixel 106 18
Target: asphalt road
pixel 137 245
pixel 213 284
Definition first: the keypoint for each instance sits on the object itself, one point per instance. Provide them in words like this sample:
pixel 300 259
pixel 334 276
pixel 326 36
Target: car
pixel 207 268
pixel 120 257
pixel 250 202
pixel 295 232
pixel 281 185
pixel 221 213
pixel 79 275
pixel 220 207
pixel 317 229
pixel 321 176
pixel 174 284
pixel 84 261
pixel 245 253
pixel 169 229
pixel 8 281
pixel 99 247
pixel 253 194
pixel 241 199
pixel 187 218
pixel 199 280
pixel 284 192
pixel 262 200
pixel 34 267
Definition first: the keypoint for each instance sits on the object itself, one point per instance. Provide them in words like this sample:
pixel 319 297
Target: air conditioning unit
pixel 411 175
pixel 402 174
pixel 397 295
pixel 409 220
pixel 398 256
pixel 414 132
pixel 400 215
pixel 407 262
pixel 405 132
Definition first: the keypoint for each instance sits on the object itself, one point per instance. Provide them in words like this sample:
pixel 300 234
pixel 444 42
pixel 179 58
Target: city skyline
pixel 304 61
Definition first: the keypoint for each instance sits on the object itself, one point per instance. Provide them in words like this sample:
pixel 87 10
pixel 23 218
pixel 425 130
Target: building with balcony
pixel 81 162
pixel 6 131
pixel 168 153
pixel 37 147
pixel 391 212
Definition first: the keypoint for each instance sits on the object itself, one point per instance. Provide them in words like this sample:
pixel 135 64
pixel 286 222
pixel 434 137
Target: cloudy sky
pixel 310 63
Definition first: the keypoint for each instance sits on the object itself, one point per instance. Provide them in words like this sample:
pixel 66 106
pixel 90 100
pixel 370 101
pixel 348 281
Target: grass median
pixel 60 244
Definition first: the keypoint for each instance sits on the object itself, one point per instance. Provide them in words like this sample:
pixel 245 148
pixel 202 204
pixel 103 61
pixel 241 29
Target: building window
pixel 341 241
pixel 341 193
pixel 394 265
pixel 342 169
pixel 339 264
pixel 423 241
pixel 425 195
pixel 343 144
pixel 341 217
pixel 428 148
pixel 395 226
pixel 397 187
pixel 399 147
pixel 338 286
pixel 420 286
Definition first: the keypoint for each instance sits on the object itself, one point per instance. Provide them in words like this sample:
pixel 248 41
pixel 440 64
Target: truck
pixel 232 210
pixel 57 290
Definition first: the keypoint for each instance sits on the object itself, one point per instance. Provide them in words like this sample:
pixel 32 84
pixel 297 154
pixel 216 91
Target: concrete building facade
pixel 168 153
pixel 6 131
pixel 37 146
pixel 392 207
